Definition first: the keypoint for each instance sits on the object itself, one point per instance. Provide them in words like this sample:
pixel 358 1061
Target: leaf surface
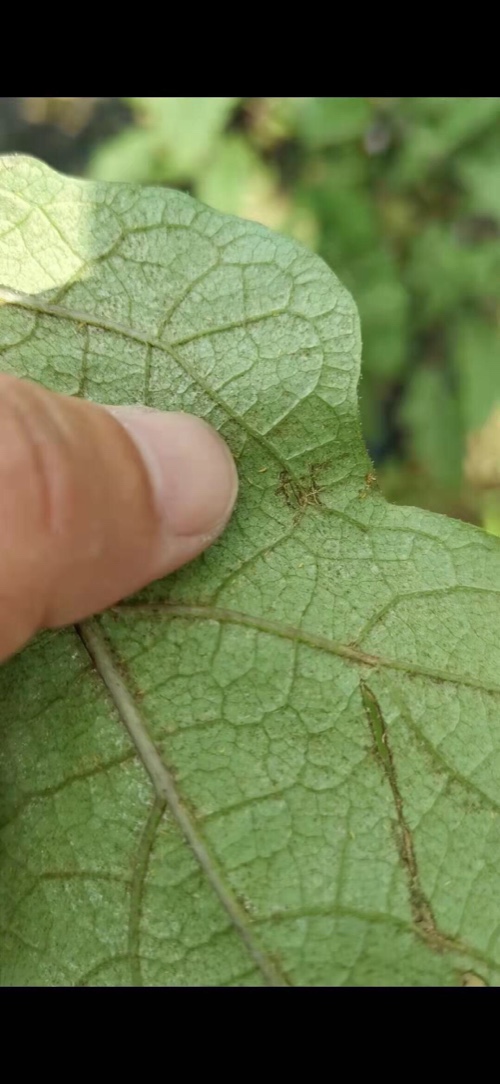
pixel 282 764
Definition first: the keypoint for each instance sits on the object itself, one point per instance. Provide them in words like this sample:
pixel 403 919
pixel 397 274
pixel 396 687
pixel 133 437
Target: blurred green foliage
pixel 401 196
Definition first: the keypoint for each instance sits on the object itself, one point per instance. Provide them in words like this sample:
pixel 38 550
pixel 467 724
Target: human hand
pixel 96 502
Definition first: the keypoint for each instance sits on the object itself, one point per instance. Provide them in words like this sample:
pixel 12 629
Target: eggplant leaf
pixel 281 765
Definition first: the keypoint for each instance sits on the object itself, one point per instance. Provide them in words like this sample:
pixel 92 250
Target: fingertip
pixel 192 471
pixel 96 503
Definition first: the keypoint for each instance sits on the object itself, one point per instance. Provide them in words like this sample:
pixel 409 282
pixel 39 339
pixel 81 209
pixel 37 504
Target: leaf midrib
pixel 167 795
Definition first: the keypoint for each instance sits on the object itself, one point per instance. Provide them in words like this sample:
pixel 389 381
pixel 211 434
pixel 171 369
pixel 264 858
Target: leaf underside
pixel 282 764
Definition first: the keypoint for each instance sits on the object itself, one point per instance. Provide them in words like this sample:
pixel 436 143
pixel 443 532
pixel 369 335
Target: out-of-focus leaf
pixel 324 122
pixel 352 240
pixel 238 181
pixel 444 271
pixel 131 156
pixel 432 129
pixel 408 483
pixel 431 416
pixel 346 210
pixel 172 140
pixel 481 179
pixel 270 120
pixel 476 354
pixel 186 128
pixel 383 305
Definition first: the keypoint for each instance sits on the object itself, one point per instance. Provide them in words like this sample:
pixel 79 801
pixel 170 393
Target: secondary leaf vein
pixel 310 639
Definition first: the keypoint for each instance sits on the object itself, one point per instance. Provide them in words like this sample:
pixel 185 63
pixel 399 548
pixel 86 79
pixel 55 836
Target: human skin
pixel 97 502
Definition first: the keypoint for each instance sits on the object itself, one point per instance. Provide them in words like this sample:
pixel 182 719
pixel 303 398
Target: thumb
pixel 95 503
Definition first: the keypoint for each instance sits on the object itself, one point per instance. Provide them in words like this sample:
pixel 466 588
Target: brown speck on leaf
pixel 370 482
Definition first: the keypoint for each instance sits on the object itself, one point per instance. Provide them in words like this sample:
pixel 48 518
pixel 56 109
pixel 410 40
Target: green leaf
pixel 480 175
pixel 476 352
pixel 445 271
pixel 351 241
pixel 239 181
pixel 188 125
pixel 173 141
pixel 431 413
pixel 324 122
pixel 435 129
pixel 282 765
pixel 383 306
pixel 131 156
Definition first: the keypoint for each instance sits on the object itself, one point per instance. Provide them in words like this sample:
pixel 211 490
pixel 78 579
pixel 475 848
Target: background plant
pixel 400 195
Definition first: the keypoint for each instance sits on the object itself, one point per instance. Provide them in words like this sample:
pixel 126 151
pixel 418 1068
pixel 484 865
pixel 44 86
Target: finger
pixel 95 503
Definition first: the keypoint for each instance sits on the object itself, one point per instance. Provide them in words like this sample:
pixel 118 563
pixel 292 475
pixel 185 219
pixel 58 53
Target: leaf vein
pixel 166 792
pixel 309 639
